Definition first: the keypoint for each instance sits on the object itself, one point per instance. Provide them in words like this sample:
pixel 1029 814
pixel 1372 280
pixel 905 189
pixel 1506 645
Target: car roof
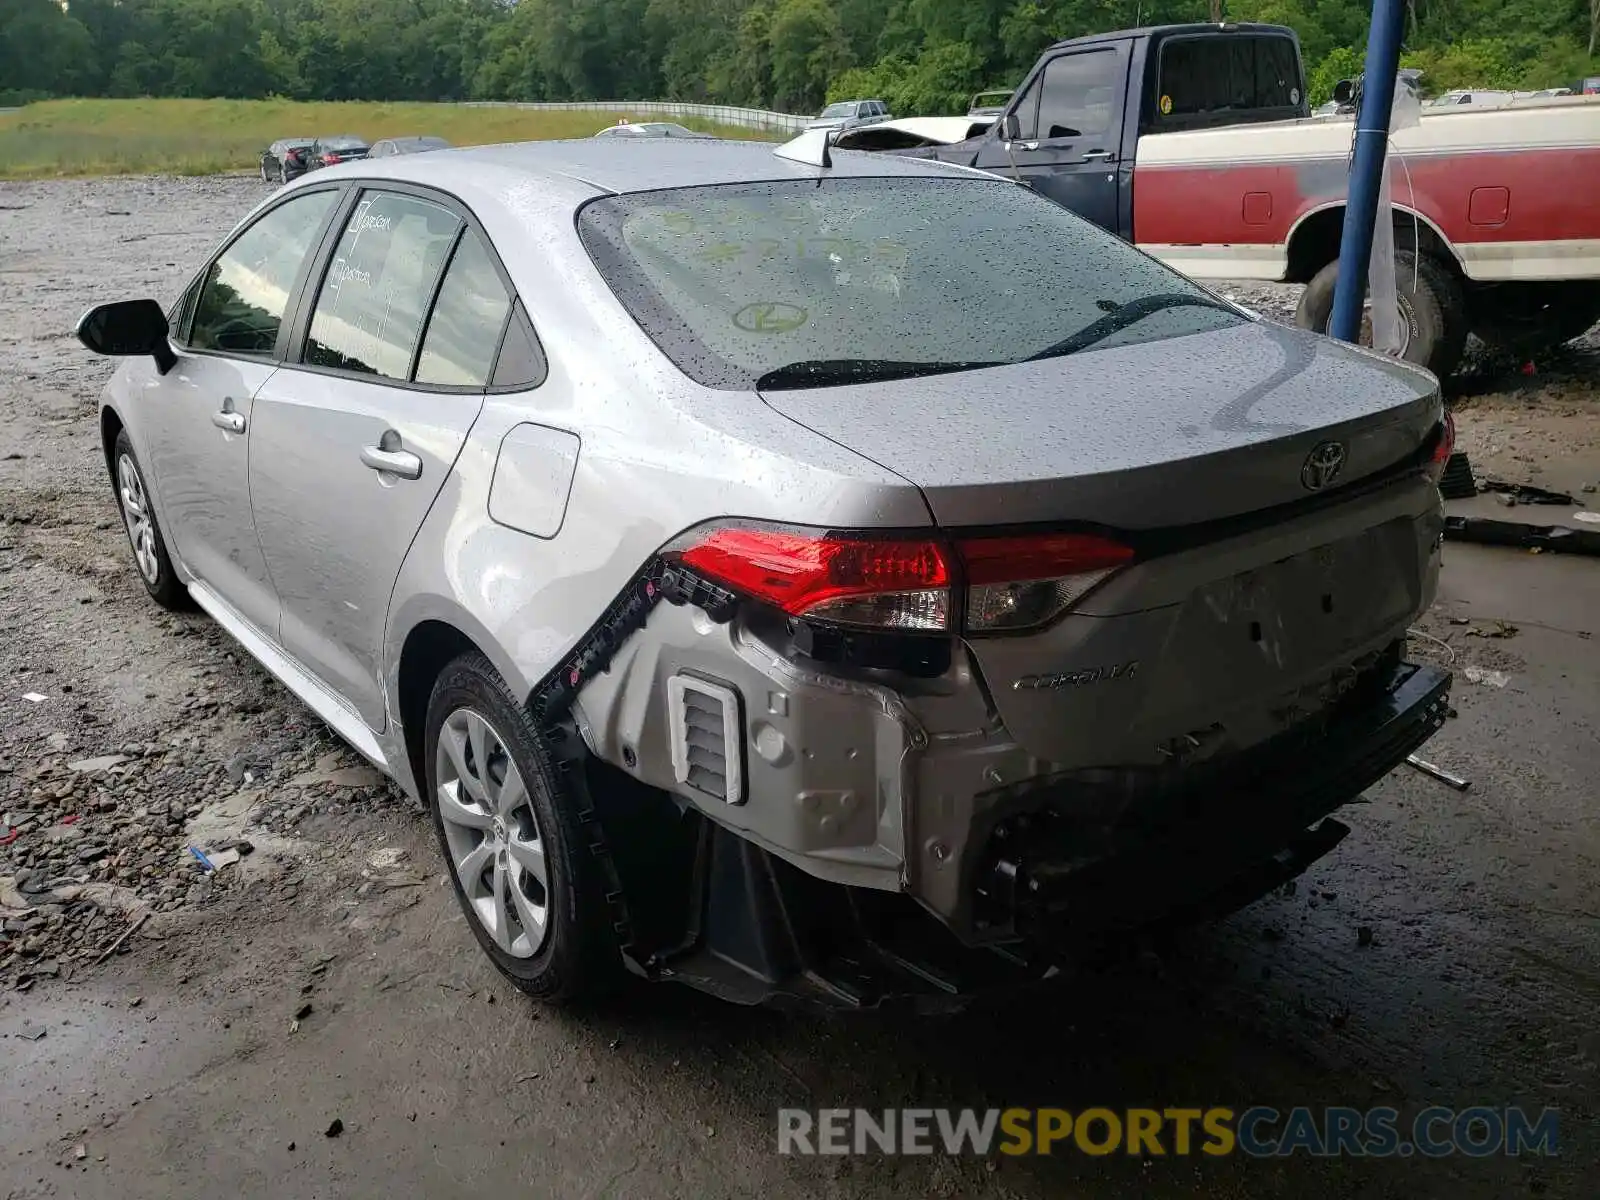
pixel 640 164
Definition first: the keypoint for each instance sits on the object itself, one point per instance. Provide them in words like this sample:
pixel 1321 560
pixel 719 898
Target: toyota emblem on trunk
pixel 1322 466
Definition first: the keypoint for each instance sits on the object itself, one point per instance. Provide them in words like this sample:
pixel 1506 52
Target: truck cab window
pixel 1078 95
pixel 1205 75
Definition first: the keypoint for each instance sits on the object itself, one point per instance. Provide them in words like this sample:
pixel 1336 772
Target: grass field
pixel 204 137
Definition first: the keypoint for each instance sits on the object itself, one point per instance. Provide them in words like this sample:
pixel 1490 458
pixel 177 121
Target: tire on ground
pixel 166 589
pixel 579 959
pixel 1431 303
pixel 1524 318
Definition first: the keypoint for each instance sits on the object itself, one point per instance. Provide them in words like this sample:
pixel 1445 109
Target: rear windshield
pixel 840 110
pixel 733 282
pixel 1207 74
pixel 344 143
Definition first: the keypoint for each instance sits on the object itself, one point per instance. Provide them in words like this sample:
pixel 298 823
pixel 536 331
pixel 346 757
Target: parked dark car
pixel 339 148
pixel 286 159
pixel 389 147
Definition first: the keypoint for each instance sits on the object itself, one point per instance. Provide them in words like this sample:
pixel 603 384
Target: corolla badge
pixel 1075 679
pixel 1322 465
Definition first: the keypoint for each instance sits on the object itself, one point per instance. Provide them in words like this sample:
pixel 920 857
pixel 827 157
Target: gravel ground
pixel 182 1053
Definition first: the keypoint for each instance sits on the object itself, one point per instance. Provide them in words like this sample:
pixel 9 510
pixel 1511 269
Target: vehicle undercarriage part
pixel 1560 539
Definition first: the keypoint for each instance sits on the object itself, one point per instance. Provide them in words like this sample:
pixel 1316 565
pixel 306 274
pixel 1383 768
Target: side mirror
pixel 1011 128
pixel 1344 91
pixel 126 329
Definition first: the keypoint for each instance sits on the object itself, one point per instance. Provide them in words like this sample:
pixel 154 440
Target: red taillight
pixel 890 583
pixel 1012 582
pixel 1443 447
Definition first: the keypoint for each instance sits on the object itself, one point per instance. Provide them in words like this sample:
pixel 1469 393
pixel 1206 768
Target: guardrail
pixel 722 114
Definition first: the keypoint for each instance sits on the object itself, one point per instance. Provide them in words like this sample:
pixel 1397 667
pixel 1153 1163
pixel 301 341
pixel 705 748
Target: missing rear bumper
pixel 756 929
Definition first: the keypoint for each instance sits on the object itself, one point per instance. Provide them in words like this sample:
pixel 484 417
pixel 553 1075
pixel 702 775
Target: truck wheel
pixel 1432 308
pixel 1523 318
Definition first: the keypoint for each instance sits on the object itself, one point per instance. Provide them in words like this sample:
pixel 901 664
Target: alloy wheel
pixel 136 513
pixel 491 834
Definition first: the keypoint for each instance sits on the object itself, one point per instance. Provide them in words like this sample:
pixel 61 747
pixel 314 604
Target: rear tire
pixel 519 855
pixel 283 174
pixel 150 557
pixel 1431 305
pixel 1525 318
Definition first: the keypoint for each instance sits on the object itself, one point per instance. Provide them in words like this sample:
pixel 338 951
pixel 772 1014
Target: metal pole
pixel 1366 168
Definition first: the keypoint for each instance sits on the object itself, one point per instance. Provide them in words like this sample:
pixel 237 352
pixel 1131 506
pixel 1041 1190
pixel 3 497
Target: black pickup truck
pixel 1071 130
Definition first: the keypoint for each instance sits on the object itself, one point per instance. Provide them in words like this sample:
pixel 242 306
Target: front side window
pixel 1078 94
pixel 735 282
pixel 467 320
pixel 378 286
pixel 243 296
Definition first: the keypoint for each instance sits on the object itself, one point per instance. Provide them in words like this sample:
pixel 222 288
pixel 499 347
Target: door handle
pixel 228 420
pixel 1098 156
pixel 387 456
pixel 1029 145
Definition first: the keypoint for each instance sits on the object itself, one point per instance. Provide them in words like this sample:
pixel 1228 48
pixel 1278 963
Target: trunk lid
pixel 1144 436
pixel 1220 636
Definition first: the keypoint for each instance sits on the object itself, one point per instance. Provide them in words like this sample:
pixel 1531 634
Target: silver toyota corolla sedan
pixel 835 578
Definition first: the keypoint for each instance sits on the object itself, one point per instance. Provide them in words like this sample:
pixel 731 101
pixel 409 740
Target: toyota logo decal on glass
pixel 1322 466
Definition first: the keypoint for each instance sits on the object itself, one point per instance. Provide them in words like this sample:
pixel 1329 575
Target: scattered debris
pixel 1525 493
pixel 205 863
pixel 31 1032
pixel 1364 935
pixel 1500 629
pixel 335 1128
pixel 80 1152
pixel 1439 773
pixel 387 859
pixel 531 1075
pixel 104 763
pixel 223 858
pixel 1485 676
pixel 136 1002
pixel 304 1011
pixel 1588 518
pixel 34 697
pixel 291 1147
pixel 126 934
pixel 1506 498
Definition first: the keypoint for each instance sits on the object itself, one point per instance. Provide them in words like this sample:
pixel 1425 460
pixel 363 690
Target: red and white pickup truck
pixel 1196 143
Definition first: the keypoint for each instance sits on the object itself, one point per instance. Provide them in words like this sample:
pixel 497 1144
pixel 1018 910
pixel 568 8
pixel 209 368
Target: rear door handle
pixel 228 420
pixel 387 456
pixel 1098 156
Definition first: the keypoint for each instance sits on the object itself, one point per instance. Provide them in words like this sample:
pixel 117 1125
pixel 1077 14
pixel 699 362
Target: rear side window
pixel 467 321
pixel 1205 75
pixel 377 289
pixel 242 298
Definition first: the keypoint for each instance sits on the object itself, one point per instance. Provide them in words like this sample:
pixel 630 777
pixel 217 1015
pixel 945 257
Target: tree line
pixel 923 56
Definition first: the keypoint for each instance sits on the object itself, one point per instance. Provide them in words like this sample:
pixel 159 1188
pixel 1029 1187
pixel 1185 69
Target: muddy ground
pixel 1447 953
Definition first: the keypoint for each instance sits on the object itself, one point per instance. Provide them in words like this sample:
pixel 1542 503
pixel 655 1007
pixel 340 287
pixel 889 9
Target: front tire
pixel 1432 309
pixel 518 853
pixel 150 557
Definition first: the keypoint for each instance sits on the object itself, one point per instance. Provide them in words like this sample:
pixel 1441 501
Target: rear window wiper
pixel 1125 315
pixel 834 372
